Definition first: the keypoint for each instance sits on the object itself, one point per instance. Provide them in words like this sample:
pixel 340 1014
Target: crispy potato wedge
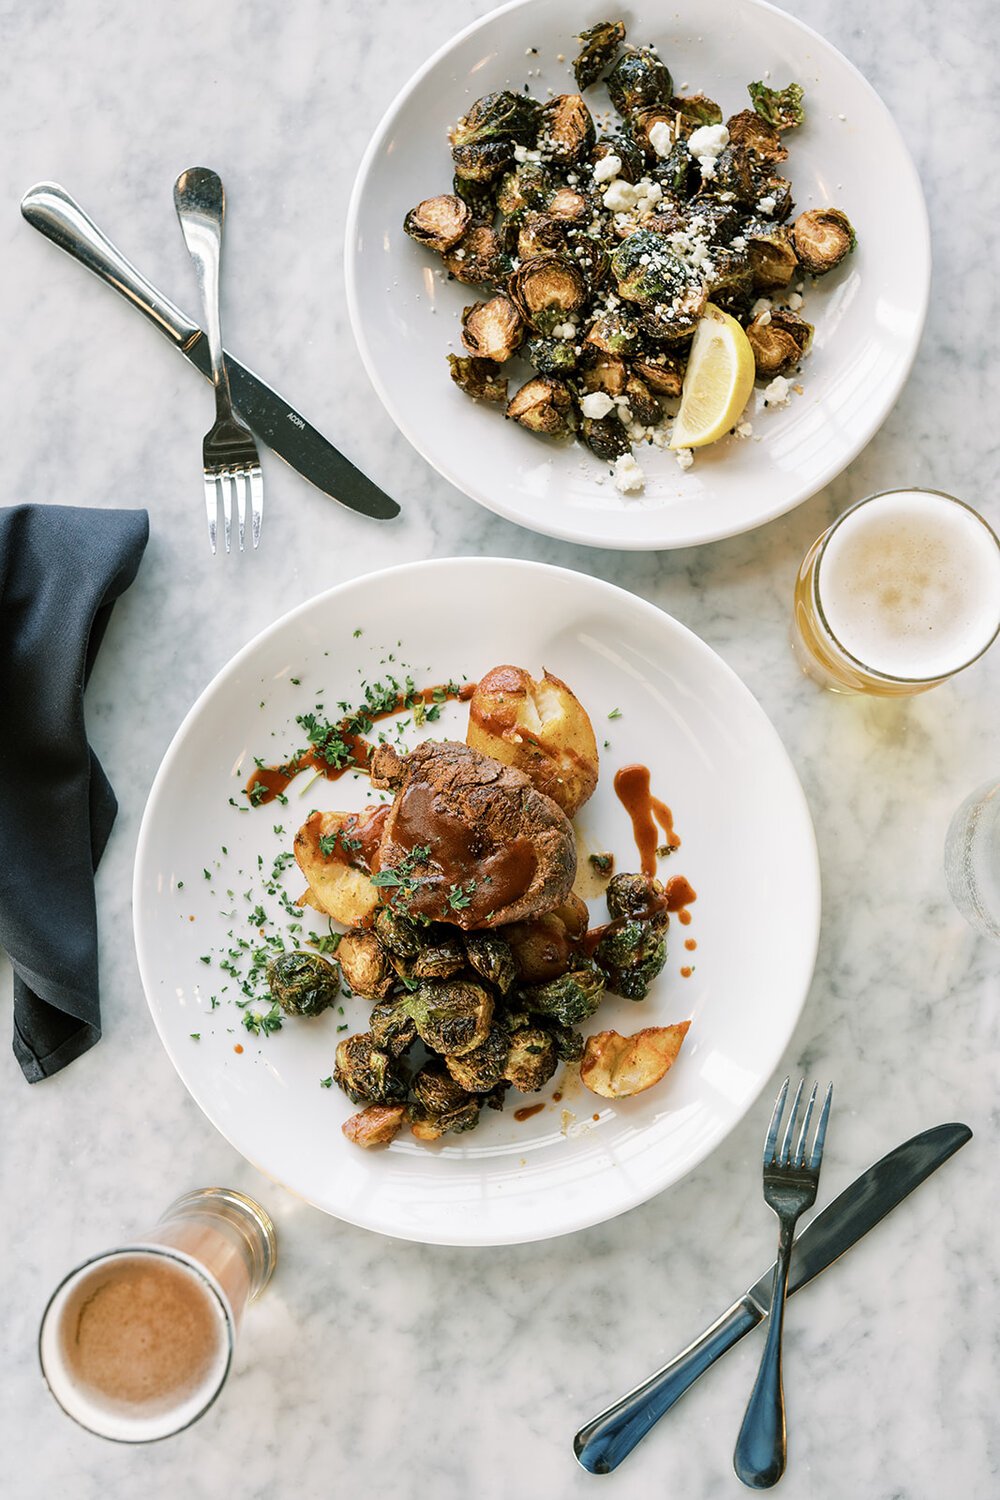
pixel 540 727
pixel 346 894
pixel 618 1066
pixel 375 1125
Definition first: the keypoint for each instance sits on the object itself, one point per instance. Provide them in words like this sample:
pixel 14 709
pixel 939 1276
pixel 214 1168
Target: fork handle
pixel 200 201
pixel 759 1457
pixel 50 209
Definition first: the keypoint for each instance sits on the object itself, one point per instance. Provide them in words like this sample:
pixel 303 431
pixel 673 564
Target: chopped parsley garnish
pixel 459 896
pixel 326 1083
pixel 263 1021
pixel 615 713
pixel 195 1036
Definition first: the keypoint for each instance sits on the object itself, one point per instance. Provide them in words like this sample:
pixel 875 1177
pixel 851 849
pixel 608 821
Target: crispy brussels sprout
pixel 479 256
pixel 605 436
pixel 303 983
pixel 375 1125
pixel 492 957
pixel 781 108
pixel 730 284
pixel 679 172
pixel 642 125
pixel 532 1059
pixel 822 237
pixel 364 962
pixel 479 197
pixel 604 372
pixel 551 356
pixel 773 261
pixel 442 1105
pixel 568 205
pixel 631 955
pixel 642 404
pixel 749 130
pixel 530 185
pixel 439 958
pixel 648 271
pixel 614 332
pixel 568 1043
pixel 502 116
pixel 639 79
pixel 634 895
pixel 483 161
pixel 479 378
pixel 398 934
pixel 714 220
pixel 543 405
pixel 451 1015
pixel 539 234
pixel 483 1068
pixel 366 1073
pixel 662 372
pixel 390 1028
pixel 630 155
pixel 492 330
pixel 546 289
pixel 569 999
pixel 598 47
pixel 439 223
pixel 566 132
pixel 694 111
pixel 776 190
pixel 734 176
pixel 778 340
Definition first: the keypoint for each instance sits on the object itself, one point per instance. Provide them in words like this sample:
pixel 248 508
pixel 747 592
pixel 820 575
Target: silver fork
pixel 229 453
pixel 791 1178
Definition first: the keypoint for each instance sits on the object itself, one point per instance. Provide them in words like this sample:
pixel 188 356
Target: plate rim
pixel 864 431
pixel 812 916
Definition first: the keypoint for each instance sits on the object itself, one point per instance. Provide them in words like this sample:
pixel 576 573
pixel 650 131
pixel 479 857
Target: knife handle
pixel 51 210
pixel 601 1445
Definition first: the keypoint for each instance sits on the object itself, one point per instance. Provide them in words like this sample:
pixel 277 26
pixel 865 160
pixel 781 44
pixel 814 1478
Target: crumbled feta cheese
pixel 739 243
pixel 684 457
pixel 564 331
pixel 707 165
pixel 596 404
pixel 744 429
pixel 620 196
pixel 520 153
pixel 629 478
pixel 609 166
pixel 764 318
pixel 708 140
pixel 776 394
pixel 661 138
pixel 795 302
pixel 766 205
pixel 762 305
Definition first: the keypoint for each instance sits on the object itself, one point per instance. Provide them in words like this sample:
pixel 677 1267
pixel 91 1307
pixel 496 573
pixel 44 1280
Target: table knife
pixel 51 210
pixel 601 1445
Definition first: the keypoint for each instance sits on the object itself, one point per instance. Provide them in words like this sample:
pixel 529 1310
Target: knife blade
pixel 50 209
pixel 601 1445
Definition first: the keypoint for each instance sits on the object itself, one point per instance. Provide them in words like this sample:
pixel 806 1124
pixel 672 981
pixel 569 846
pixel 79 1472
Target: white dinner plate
pixel 868 313
pixel 656 694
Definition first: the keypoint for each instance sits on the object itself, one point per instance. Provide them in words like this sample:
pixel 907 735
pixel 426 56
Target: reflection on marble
pixel 376 1367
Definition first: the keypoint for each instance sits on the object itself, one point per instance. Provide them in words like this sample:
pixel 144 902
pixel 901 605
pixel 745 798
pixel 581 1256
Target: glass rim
pixel 910 489
pixel 138 1247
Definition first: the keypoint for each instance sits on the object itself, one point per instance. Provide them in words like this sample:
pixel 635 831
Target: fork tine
pixel 772 1129
pixel 818 1143
pixel 786 1144
pixel 225 480
pixel 241 483
pixel 799 1155
pixel 256 502
pixel 211 508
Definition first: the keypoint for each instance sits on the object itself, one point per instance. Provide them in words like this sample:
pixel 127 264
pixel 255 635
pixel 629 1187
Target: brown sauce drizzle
pixel 690 944
pixel 527 1110
pixel 645 811
pixel 686 972
pixel 680 893
pixel 276 778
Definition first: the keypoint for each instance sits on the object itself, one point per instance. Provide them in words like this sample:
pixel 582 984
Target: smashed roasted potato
pixel 616 1067
pixel 539 727
pixel 322 849
pixel 375 1125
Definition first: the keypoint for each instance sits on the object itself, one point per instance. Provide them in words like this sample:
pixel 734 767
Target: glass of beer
pixel 899 594
pixel 136 1343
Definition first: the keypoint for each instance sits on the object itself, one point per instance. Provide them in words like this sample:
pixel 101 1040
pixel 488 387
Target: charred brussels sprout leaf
pixel 390 1027
pixel 451 1016
pixel 532 1059
pixel 303 983
pixel 598 47
pixel 694 111
pixel 546 289
pixel 483 161
pixel 502 116
pixel 551 356
pixel 569 999
pixel 442 1105
pixel 778 340
pixel 366 1073
pixel 543 405
pixel 637 80
pixel 479 378
pixel 478 196
pixel 749 130
pixel 439 223
pixel 492 330
pixel 773 261
pixel 822 237
pixel 781 108
pixel 483 1068
pixel 479 256
pixel 492 957
pixel 567 132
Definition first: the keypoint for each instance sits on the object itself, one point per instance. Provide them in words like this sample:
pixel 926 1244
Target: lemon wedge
pixel 717 382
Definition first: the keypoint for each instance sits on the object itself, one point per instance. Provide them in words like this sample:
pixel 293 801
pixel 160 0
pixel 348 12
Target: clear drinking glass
pixel 135 1344
pixel 899 594
pixel 972 859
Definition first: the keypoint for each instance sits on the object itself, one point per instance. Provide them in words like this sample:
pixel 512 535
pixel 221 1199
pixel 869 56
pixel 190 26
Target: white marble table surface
pixel 381 1368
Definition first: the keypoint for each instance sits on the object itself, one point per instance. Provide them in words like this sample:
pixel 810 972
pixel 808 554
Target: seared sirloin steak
pixel 498 850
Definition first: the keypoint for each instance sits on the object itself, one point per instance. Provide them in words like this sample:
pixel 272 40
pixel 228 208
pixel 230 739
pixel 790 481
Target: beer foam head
pixel 909 584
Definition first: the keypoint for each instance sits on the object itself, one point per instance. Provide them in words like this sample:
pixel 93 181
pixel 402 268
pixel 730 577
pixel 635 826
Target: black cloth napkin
pixel 61 570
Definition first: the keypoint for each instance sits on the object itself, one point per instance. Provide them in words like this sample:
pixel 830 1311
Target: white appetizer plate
pixel 748 849
pixel 868 313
